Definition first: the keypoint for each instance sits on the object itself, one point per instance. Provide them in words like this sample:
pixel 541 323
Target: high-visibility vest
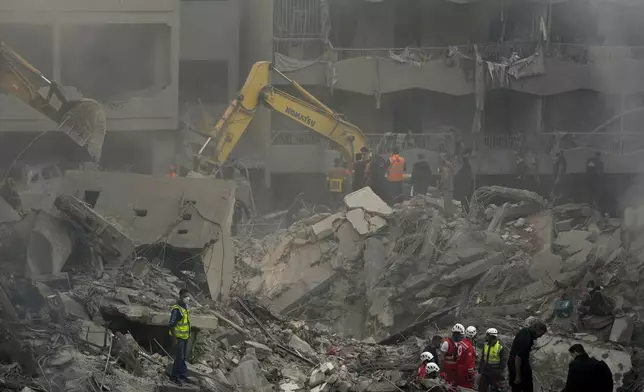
pixel 336 178
pixel 492 355
pixel 396 168
pixel 181 329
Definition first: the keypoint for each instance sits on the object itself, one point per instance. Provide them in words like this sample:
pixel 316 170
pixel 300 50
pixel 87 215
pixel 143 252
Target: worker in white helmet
pixel 425 358
pixel 467 359
pixel 493 363
pixel 449 354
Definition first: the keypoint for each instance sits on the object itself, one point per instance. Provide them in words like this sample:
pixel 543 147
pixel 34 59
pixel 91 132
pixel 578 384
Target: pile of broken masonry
pixel 335 302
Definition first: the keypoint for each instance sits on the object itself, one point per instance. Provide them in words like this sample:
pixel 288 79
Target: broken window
pixel 114 61
pixel 203 81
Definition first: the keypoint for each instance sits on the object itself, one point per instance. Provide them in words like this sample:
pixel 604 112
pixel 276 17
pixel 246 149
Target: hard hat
pixel 432 368
pixel 458 328
pixel 470 332
pixel 426 356
pixel 492 331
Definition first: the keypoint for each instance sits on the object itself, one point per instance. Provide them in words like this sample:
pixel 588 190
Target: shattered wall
pixel 124 54
pixel 185 213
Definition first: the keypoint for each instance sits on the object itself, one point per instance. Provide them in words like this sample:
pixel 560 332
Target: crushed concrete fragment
pixel 622 330
pixel 249 377
pixel 472 270
pixel 358 220
pixel 261 350
pixel 350 242
pixel 366 199
pixel 545 266
pixel 326 227
pixel 573 241
pixel 300 346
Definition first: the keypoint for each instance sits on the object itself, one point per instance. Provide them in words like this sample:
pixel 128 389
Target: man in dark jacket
pixel 464 184
pixel 421 175
pixel 520 372
pixel 560 167
pixel 586 373
pixel 594 177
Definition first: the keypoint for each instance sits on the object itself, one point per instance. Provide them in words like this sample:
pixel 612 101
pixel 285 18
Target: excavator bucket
pixel 85 122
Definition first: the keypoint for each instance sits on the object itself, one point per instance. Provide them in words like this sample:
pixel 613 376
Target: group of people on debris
pixel 454 360
pixel 386 176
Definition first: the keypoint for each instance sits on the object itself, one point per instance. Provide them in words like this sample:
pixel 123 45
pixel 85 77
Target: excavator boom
pixel 84 121
pixel 308 111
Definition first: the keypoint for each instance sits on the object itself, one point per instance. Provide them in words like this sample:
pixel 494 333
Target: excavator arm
pixel 84 121
pixel 308 111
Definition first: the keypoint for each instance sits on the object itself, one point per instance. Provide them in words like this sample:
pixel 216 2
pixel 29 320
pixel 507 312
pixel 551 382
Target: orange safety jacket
pixel 396 170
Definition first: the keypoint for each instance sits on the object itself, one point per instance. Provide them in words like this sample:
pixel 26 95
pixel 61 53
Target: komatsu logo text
pixel 300 117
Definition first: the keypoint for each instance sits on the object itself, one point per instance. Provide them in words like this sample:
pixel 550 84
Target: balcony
pixel 292 151
pixel 609 69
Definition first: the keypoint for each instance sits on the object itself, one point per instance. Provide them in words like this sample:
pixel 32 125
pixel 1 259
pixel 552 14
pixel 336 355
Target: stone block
pixel 472 270
pixel 366 199
pixel 300 345
pixel 262 351
pixel 327 226
pixel 248 376
pixel 622 330
pixel 358 221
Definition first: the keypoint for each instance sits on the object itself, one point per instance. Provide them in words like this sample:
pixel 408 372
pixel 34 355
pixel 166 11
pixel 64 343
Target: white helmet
pixel 470 332
pixel 432 368
pixel 492 331
pixel 458 328
pixel 426 356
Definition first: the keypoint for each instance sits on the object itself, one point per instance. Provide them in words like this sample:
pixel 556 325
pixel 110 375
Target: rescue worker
pixel 560 167
pixel 520 372
pixel 493 364
pixel 171 173
pixel 596 302
pixel 434 347
pixel 449 355
pixel 586 373
pixel 396 174
pixel 594 174
pixel 464 184
pixel 432 371
pixel 425 358
pixel 467 359
pixel 180 332
pixel 447 184
pixel 421 175
pixel 336 181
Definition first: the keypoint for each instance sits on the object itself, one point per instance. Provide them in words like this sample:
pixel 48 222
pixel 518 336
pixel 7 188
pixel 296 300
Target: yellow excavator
pixel 307 110
pixel 84 120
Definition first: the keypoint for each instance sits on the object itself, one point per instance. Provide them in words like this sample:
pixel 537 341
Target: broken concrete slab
pixel 147 208
pixel 358 221
pixel 622 330
pixel 380 307
pixel 103 236
pixel 499 216
pixel 515 311
pixel 472 270
pixel 49 246
pixel 300 345
pixel 374 262
pixel 376 223
pixel 93 334
pixel 72 307
pixel 7 213
pixel 262 351
pixel 433 304
pixel 573 241
pixel 430 242
pixel 565 225
pixel 326 227
pixel 607 244
pixel 248 376
pixel 349 242
pixel 366 199
pixel 545 265
pixel 145 315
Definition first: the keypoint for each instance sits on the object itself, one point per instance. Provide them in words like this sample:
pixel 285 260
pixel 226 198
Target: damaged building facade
pixel 410 67
pixel 151 65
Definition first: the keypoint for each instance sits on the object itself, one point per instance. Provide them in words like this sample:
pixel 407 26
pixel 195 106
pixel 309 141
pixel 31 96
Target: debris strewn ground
pixel 341 301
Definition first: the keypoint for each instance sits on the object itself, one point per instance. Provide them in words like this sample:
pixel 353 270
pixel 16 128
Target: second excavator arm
pixel 308 111
pixel 84 121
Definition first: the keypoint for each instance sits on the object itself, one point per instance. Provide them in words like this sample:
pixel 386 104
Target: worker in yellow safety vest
pixel 337 180
pixel 493 364
pixel 396 174
pixel 180 332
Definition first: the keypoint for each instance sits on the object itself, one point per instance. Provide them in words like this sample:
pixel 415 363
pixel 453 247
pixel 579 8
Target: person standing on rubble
pixel 360 169
pixel 560 166
pixel 464 184
pixel 180 332
pixel 434 348
pixel 467 359
pixel 520 372
pixel 493 364
pixel 586 373
pixel 594 174
pixel 396 174
pixel 449 355
pixel 421 175
pixel 447 184
pixel 337 179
